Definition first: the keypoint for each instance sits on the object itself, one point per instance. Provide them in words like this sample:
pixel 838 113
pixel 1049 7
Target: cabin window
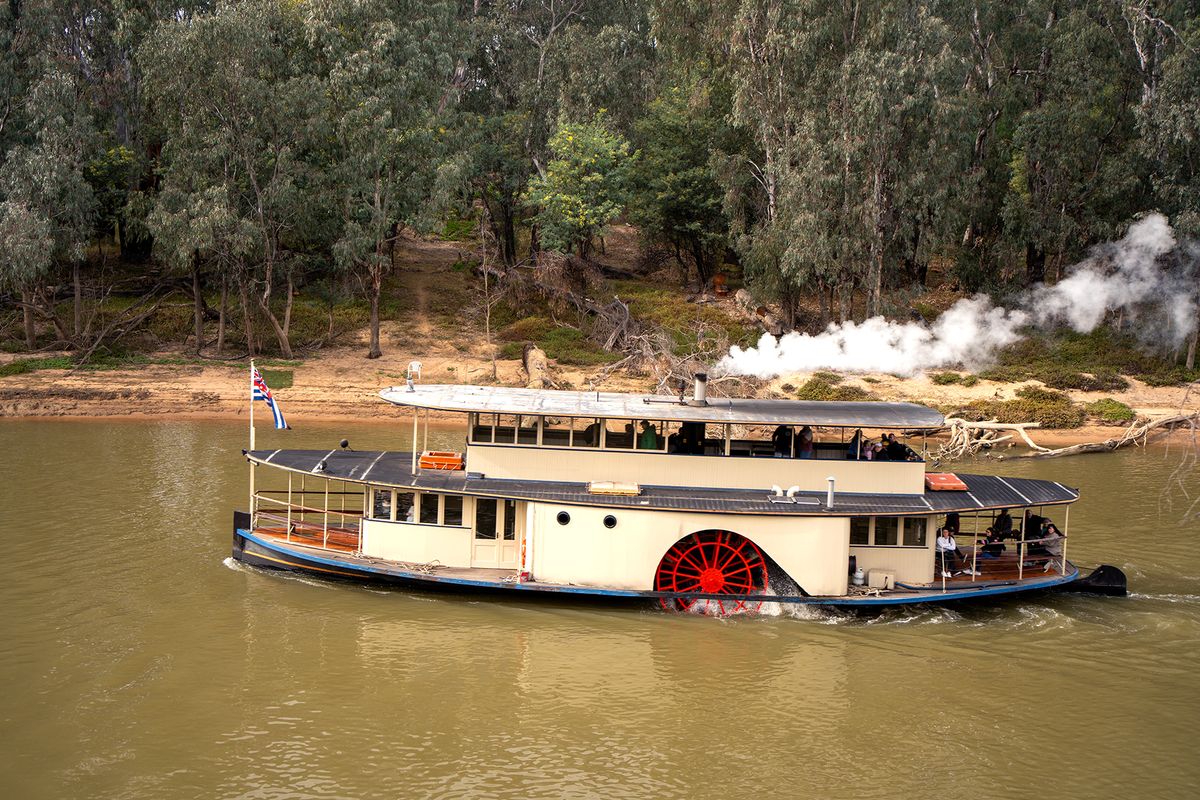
pixel 405 510
pixel 452 505
pixel 506 428
pixel 429 509
pixel 556 432
pixel 860 530
pixel 485 518
pixel 586 433
pixel 914 531
pixel 689 439
pixel 527 429
pixel 648 436
pixel 381 504
pixel 886 530
pixel 481 430
pixel 619 434
pixel 510 520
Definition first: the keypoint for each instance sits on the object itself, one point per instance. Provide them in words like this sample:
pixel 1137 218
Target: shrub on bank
pixel 1049 408
pixel 819 389
pixel 1110 410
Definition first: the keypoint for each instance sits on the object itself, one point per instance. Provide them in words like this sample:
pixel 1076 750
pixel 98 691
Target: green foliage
pixel 945 378
pixel 585 185
pixel 277 378
pixel 817 388
pixel 563 344
pixel 694 328
pixel 1032 404
pixel 677 198
pixel 1085 361
pixel 1110 410
pixel 827 377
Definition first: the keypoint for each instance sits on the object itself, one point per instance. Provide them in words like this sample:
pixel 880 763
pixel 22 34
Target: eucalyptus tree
pixel 676 194
pixel 233 92
pixel 385 64
pixel 46 192
pixel 584 186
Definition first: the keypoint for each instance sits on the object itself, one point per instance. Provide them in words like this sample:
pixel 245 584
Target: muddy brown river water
pixel 138 661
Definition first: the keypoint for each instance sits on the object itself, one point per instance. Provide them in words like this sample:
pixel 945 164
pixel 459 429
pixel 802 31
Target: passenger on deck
pixel 1053 545
pixel 674 443
pixel 1003 524
pixel 647 437
pixel 876 452
pixel 993 544
pixel 781 440
pixel 949 556
pixel 591 434
pixel 855 447
pixel 952 523
pixel 898 451
pixel 804 444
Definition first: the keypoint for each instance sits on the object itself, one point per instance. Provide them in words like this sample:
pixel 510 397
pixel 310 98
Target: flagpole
pixel 252 443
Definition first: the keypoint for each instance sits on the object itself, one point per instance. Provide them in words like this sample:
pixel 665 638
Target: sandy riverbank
pixel 340 384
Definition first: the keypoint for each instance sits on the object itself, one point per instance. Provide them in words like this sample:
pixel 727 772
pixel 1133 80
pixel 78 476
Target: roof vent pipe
pixel 791 492
pixel 829 496
pixel 700 390
pixel 777 490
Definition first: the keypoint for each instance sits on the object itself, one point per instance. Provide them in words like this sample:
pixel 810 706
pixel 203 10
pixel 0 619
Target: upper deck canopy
pixel 613 405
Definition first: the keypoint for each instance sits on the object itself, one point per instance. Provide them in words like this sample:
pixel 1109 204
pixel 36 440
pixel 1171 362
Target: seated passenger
pixel 647 437
pixel 781 440
pixel 1053 545
pixel 877 453
pixel 805 448
pixel 993 544
pixel 674 443
pixel 855 447
pixel 949 556
pixel 898 451
pixel 952 522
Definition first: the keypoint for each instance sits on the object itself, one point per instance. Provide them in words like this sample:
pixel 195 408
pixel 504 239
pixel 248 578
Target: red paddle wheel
pixel 712 562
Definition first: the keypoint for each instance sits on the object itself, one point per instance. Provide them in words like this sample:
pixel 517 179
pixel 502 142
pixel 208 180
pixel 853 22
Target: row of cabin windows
pixel 645 435
pixel 889 531
pixel 493 518
pixel 424 507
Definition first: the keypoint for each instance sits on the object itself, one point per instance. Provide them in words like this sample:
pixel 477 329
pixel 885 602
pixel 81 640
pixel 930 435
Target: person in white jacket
pixel 949 556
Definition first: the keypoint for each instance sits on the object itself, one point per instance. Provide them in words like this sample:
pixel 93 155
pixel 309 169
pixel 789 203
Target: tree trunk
pixel 78 327
pixel 1035 264
pixel 376 285
pixel 1191 355
pixel 221 315
pixel 287 309
pixel 197 303
pixel 247 320
pixel 703 269
pixel 27 314
pixel 285 345
pixel 823 298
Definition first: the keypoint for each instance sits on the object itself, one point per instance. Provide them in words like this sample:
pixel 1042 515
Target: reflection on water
pixel 140 662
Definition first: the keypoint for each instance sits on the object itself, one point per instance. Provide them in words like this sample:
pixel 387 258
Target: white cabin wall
pixel 669 469
pixel 813 550
pixel 416 543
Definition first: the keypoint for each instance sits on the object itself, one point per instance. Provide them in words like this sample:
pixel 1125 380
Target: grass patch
pixel 945 378
pixel 819 389
pixel 564 344
pixel 828 377
pixel 1110 410
pixel 277 378
pixel 1032 404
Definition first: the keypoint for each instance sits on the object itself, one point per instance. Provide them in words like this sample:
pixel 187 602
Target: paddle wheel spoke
pixel 712 563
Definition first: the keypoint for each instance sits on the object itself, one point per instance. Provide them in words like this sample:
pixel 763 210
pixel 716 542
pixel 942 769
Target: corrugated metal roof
pixel 394 469
pixel 611 405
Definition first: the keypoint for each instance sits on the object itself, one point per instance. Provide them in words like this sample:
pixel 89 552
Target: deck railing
pixel 290 509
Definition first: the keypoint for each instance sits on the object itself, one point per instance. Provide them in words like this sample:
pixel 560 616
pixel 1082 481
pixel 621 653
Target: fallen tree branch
pixel 1134 434
pixel 967 437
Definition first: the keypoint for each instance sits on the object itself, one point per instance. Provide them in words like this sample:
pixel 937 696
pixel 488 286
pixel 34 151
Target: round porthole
pixel 563 518
pixel 610 521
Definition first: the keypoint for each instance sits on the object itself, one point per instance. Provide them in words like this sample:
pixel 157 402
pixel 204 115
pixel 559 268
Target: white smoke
pixel 1125 275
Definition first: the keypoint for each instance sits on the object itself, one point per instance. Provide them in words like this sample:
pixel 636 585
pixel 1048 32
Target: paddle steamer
pixel 686 503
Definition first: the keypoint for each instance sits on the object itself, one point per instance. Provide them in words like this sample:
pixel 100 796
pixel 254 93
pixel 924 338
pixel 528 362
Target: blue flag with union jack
pixel 261 392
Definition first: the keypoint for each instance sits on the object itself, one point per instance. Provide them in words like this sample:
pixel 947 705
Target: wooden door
pixel 498 530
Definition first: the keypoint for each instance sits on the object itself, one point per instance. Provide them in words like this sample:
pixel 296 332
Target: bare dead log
pixel 537 367
pixel 1136 434
pixel 968 438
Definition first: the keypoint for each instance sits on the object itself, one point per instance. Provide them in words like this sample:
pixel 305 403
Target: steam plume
pixel 1125 275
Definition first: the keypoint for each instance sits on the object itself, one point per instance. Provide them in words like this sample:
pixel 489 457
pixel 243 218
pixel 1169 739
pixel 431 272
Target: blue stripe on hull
pixel 279 557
